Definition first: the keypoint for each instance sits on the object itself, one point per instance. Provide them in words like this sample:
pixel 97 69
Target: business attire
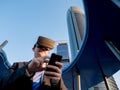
pixel 16 78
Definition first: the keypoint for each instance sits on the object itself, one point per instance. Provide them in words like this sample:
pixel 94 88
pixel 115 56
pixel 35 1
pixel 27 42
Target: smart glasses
pixel 43 48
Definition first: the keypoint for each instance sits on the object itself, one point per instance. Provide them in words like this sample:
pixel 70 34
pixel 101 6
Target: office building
pixel 62 48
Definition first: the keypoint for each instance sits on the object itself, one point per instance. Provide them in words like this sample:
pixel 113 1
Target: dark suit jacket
pixel 16 79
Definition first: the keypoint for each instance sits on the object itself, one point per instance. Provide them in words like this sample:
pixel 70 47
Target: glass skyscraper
pixel 62 48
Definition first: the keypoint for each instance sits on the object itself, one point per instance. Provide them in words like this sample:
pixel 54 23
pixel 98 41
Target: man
pixel 42 49
pixel 32 75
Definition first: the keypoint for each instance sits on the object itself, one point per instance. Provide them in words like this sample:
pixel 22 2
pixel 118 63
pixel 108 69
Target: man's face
pixel 41 51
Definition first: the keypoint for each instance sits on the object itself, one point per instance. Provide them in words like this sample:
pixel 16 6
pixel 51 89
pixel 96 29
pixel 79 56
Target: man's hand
pixel 55 75
pixel 37 64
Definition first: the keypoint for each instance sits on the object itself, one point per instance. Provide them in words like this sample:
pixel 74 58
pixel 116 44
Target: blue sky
pixel 22 21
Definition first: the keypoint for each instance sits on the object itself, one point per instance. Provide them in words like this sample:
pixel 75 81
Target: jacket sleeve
pixel 12 75
pixel 59 86
pixel 47 85
pixel 63 87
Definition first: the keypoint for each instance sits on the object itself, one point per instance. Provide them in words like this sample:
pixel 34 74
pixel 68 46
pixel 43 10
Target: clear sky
pixel 22 21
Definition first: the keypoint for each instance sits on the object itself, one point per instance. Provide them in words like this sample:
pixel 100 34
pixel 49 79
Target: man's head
pixel 43 46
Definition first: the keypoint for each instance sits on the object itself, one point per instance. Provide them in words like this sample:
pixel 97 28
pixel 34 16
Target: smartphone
pixel 54 57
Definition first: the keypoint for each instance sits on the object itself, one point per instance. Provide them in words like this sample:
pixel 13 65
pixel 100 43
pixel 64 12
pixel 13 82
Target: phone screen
pixel 54 57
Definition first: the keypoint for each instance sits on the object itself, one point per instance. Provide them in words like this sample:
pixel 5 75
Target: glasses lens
pixel 43 48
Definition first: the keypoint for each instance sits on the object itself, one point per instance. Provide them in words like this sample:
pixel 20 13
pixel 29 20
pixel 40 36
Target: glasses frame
pixel 42 48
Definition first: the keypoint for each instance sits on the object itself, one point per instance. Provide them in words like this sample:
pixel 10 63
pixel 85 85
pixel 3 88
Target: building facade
pixel 62 48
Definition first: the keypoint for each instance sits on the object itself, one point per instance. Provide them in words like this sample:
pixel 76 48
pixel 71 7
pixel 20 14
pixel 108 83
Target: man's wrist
pixel 28 71
pixel 29 74
pixel 54 83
